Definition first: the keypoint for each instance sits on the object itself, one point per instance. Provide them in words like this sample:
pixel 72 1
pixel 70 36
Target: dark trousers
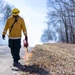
pixel 15 45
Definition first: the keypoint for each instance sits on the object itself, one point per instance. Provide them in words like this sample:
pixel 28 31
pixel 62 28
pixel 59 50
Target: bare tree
pixel 5 12
pixel 63 15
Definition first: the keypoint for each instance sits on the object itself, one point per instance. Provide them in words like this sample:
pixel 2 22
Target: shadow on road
pixel 35 69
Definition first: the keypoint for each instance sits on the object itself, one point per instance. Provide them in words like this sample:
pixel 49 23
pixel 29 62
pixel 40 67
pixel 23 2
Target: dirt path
pixel 6 61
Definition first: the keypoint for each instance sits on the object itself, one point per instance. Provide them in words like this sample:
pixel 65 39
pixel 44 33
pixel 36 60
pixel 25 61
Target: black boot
pixel 15 63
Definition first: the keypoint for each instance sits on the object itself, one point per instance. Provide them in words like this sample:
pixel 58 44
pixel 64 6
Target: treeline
pixel 5 12
pixel 60 21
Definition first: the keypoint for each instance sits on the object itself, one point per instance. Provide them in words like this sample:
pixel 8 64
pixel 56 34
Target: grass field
pixel 52 59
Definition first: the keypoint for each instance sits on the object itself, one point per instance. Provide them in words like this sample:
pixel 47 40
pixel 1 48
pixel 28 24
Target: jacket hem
pixel 15 38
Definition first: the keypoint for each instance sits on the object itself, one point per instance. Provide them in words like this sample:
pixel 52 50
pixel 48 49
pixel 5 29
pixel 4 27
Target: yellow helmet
pixel 15 11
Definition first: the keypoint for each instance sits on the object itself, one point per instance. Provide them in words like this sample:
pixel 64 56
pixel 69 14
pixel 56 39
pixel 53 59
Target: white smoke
pixel 2 42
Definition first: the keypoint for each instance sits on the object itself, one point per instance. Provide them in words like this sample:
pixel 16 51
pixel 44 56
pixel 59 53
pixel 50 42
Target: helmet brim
pixel 15 13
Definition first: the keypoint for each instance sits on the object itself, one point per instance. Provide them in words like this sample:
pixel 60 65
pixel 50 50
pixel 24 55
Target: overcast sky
pixel 33 12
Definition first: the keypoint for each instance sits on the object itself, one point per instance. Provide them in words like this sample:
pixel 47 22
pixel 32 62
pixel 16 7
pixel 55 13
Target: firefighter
pixel 15 24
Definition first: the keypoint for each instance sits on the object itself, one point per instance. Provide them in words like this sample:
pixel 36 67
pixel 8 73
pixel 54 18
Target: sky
pixel 34 13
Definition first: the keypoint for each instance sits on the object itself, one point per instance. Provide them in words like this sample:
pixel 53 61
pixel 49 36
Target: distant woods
pixel 5 11
pixel 60 21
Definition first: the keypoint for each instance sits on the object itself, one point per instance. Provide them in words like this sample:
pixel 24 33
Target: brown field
pixel 52 59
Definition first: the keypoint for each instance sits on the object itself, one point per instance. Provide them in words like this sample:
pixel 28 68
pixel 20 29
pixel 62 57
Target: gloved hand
pixel 3 37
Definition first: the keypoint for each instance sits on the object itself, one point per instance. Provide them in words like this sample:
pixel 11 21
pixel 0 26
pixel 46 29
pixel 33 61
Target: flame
pixel 27 56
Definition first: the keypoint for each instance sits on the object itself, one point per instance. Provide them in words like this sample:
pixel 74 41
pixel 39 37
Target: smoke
pixel 5 12
pixel 2 42
pixel 2 24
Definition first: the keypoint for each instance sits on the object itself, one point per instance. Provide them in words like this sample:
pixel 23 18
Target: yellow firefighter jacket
pixel 17 29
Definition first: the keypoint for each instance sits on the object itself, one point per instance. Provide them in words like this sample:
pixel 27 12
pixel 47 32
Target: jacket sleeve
pixel 5 28
pixel 24 27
